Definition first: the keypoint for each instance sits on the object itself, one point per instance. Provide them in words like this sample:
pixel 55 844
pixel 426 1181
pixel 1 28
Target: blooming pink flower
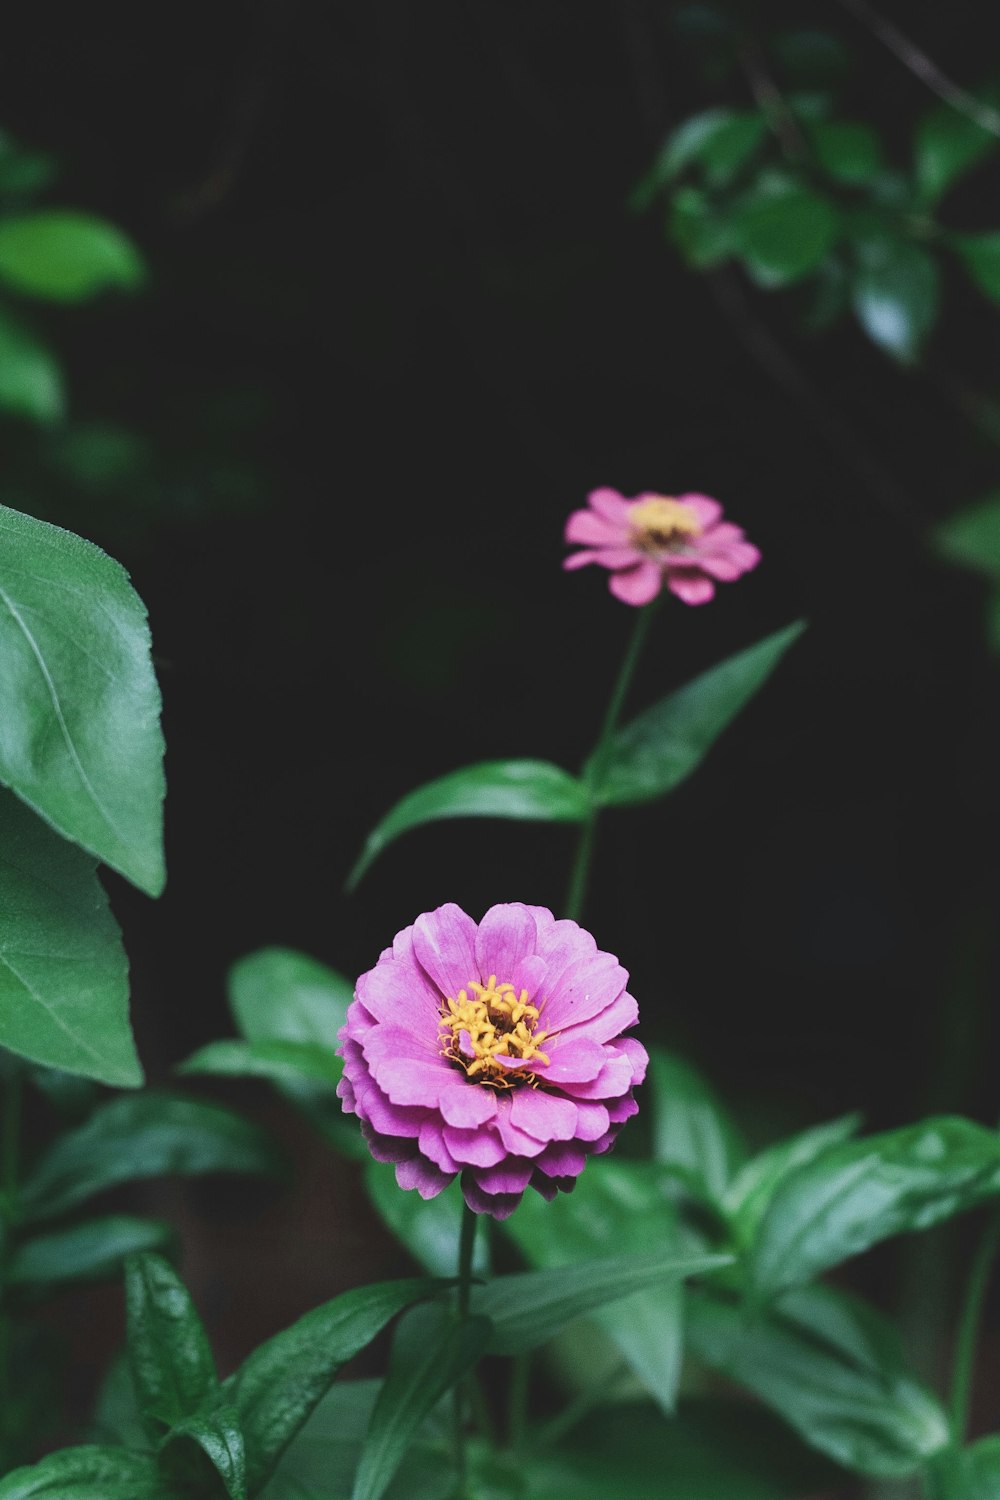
pixel 658 539
pixel 494 1052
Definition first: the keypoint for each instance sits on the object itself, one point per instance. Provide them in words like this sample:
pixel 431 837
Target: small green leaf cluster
pixel 971 539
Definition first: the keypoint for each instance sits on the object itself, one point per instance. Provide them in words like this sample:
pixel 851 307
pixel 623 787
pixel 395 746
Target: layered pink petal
pixel 506 937
pixel 423 1175
pixel 506 1177
pixel 691 587
pixel 465 1106
pixel 478 1148
pixel 595 531
pixel 498 1205
pixel 609 504
pixel 445 945
pixel 547 1117
pixel 578 1060
pixel 583 989
pixel 637 585
pixel 705 508
pixel 610 1022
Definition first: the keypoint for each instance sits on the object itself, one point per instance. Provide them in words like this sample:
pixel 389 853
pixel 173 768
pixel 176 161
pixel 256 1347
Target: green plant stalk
pixel 466 1245
pixel 598 762
pixel 968 1328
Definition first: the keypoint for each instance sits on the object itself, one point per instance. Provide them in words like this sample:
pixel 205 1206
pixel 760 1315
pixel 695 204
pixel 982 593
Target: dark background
pixel 399 321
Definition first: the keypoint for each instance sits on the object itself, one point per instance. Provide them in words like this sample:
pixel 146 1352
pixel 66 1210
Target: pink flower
pixel 494 1052
pixel 655 540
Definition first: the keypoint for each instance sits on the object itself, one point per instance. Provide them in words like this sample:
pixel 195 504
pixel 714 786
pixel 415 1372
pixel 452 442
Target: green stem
pixel 597 764
pixel 968 1327
pixel 466 1245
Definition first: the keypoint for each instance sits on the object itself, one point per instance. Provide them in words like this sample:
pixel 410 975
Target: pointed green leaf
pixel 172 1365
pixel 980 254
pixel 973 1473
pixel 783 232
pixel 31 381
pixel 277 994
pixel 531 790
pixel 63 972
pixel 948 145
pixel 140 1136
pixel 859 1193
pixel 662 747
pixel 896 293
pixel 89 1473
pixel 428 1357
pixel 280 1062
pixel 692 1133
pixel 754 1186
pixel 280 1384
pixel 831 1367
pixel 218 1440
pixel 428 1227
pixel 701 230
pixel 65 256
pixel 80 737
pixel 85 1252
pixel 972 536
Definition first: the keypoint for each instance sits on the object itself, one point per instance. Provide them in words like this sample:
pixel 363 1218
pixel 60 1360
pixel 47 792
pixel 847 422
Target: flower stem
pixel 597 764
pixel 968 1327
pixel 466 1245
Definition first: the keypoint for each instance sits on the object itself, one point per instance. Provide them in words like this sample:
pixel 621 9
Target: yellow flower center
pixel 487 1022
pixel 662 522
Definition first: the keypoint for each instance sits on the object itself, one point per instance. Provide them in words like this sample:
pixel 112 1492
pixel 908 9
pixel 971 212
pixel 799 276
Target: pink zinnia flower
pixel 659 539
pixel 492 1052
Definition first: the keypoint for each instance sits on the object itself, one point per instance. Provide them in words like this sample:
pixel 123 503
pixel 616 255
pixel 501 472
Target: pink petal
pixel 562 943
pixel 577 1061
pixel 506 1177
pixel 580 559
pixel 445 945
pixel 497 1205
pixel 435 1148
pixel 421 1174
pixel 637 1056
pixel 505 937
pixel 720 565
pixel 689 586
pixel 637 585
pixel 705 508
pixel 610 1023
pixel 582 990
pixel 386 1148
pixel 592 1120
pixel 398 991
pixel 564 1159
pixel 542 1115
pixel 479 1148
pixel 594 531
pixel 614 1079
pixel 387 1118
pixel 467 1105
pixel 620 1110
pixel 529 973
pixel 609 504
pixel 516 1141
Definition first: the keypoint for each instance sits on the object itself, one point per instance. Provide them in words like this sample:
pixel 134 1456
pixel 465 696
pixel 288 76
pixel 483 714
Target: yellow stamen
pixel 662 521
pixel 498 1022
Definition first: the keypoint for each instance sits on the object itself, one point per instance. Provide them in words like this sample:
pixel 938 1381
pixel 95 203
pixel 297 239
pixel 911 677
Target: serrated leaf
pixel 140 1136
pixel 847 150
pixel 65 256
pixel 692 1132
pixel 980 254
pixel 280 1062
pixel 85 1252
pixel 427 1359
pixel 948 144
pixel 662 747
pixel 972 537
pixel 783 233
pixel 63 971
pixel 31 381
pixel 753 1188
pixel 859 1193
pixel 280 1384
pixel 89 1473
pixel 831 1367
pixel 80 738
pixel 896 294
pixel 531 790
pixel 171 1361
pixel 218 1436
pixel 428 1227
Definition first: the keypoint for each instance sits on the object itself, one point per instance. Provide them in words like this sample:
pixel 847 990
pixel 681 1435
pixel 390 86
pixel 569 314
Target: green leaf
pixel 140 1136
pixel 947 146
pixel 80 737
pixel 972 537
pixel 973 1473
pixel 31 382
pixel 116 1411
pixel 692 1133
pixel 811 58
pixel 89 1251
pixel 428 1227
pixel 531 790
pixel 63 972
pixel 279 1385
pixel 701 231
pixel 980 254
pixel 662 747
pixel 721 141
pixel 859 1193
pixel 896 293
pixel 281 1062
pixel 65 256
pixel 431 1350
pixel 832 1368
pixel 89 1473
pixel 847 151
pixel 277 994
pixel 218 1436
pixel 172 1365
pixel 782 232
pixel 754 1186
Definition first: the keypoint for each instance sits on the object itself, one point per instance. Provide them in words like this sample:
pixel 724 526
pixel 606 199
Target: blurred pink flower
pixel 654 540
pixel 491 1051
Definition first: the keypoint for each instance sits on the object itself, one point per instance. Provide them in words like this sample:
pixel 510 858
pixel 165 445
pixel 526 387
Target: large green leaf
pixel 83 1252
pixel 63 972
pixel 896 292
pixel 754 1186
pixel 428 1227
pixel 847 150
pixel 431 1350
pixel 172 1365
pixel 948 144
pixel 31 382
pixel 205 1442
pixel 277 994
pixel 782 232
pixel 139 1136
pixel 89 1473
pixel 65 256
pixel 832 1368
pixel 980 254
pixel 280 1062
pixel 279 1385
pixel 531 790
pixel 80 737
pixel 692 1133
pixel 859 1193
pixel 972 536
pixel 662 747
pixel 973 1473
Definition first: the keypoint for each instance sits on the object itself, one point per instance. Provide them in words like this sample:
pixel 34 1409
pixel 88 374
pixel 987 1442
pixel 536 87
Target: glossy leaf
pixel 972 537
pixel 85 1252
pixel 692 1133
pixel 859 1193
pixel 832 1368
pixel 948 145
pixel 63 972
pixel 172 1365
pixel 662 747
pixel 279 1385
pixel 277 994
pixel 116 1411
pixel 428 1227
pixel 89 1473
pixel 530 790
pixel 980 254
pixel 847 150
pixel 431 1351
pixel 783 232
pixel 145 1135
pixel 80 737
pixel 973 1473
pixel 217 1436
pixel 31 382
pixel 701 231
pixel 896 292
pixel 754 1186
pixel 280 1062
pixel 65 256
